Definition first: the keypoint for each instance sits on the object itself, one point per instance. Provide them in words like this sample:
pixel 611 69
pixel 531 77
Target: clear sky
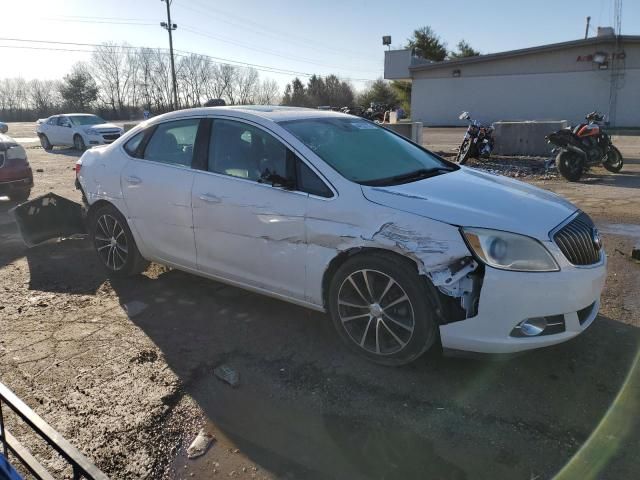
pixel 325 36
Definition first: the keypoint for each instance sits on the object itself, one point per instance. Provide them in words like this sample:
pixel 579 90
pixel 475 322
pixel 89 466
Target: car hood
pixel 471 198
pixel 103 126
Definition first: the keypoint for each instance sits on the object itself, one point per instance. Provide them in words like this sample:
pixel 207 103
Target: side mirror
pixel 464 116
pixel 4 128
pixel 278 181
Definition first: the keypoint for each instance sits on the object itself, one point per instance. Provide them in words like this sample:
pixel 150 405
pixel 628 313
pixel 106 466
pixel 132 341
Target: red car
pixel 16 177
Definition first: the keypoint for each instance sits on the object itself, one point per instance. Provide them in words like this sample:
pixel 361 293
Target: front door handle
pixel 133 180
pixel 209 198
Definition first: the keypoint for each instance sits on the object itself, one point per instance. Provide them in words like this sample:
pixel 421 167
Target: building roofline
pixel 524 51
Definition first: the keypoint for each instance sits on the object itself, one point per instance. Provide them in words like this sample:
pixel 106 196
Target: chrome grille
pixel 577 240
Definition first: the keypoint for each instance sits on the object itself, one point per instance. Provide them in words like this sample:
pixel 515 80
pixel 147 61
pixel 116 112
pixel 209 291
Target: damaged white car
pixel 403 249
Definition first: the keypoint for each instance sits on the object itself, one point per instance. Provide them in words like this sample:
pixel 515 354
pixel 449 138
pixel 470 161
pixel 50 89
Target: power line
pixel 218 60
pixel 282 36
pixel 270 52
pixel 196 31
pixel 109 22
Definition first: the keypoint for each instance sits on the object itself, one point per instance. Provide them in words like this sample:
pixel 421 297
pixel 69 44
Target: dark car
pixel 16 177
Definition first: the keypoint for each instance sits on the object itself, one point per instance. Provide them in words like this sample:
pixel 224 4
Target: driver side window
pixel 241 150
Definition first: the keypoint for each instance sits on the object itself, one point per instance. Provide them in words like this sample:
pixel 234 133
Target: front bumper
pixel 102 139
pixel 508 298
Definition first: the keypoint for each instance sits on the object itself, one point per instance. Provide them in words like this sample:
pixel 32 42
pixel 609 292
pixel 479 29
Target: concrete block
pixel 410 130
pixel 525 138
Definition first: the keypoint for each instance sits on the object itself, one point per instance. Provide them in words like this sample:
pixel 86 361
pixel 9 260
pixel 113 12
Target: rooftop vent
pixel 606 32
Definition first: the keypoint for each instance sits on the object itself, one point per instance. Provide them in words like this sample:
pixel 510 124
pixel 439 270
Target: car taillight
pixel 78 167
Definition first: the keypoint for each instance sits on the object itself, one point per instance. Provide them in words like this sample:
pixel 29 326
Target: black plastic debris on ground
pixel 227 374
pixel 47 217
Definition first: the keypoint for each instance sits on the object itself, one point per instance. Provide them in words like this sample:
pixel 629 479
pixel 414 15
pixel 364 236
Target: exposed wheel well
pixel 342 257
pixel 98 204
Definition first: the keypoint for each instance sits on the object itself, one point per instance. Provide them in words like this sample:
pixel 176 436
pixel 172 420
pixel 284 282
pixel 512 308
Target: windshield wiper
pixel 408 177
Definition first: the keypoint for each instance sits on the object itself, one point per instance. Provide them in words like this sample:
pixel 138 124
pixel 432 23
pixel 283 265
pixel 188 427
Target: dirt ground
pixel 132 391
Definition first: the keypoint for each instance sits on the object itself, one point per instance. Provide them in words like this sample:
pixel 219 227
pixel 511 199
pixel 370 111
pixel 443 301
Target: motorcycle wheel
pixel 570 165
pixel 464 152
pixel 614 160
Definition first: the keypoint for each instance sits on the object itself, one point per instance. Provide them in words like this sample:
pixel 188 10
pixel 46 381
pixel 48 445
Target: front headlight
pixel 509 251
pixel 91 131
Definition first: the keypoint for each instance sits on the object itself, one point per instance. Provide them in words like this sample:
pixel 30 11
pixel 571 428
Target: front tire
pixel 382 309
pixel 78 143
pixel 614 161
pixel 570 165
pixel 114 243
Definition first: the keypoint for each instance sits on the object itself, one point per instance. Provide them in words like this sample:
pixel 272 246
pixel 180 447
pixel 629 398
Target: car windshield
pixel 79 120
pixel 365 153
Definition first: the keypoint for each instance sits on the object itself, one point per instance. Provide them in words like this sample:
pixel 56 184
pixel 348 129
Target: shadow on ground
pixel 308 408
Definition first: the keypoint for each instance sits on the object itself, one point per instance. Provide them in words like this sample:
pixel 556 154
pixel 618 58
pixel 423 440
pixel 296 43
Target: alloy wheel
pixel 111 242
pixel 376 312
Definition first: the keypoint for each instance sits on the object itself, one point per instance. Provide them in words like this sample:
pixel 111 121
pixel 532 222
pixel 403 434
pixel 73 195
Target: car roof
pixel 269 112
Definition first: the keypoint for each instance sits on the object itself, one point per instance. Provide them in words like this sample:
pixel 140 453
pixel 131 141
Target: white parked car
pixel 78 130
pixel 402 248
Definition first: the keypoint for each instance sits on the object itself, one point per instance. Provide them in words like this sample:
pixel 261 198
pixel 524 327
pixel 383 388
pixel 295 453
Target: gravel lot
pixel 131 392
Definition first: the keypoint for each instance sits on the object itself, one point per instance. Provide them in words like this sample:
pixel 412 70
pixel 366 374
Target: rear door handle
pixel 209 198
pixel 133 180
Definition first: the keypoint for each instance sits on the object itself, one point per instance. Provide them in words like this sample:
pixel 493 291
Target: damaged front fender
pixel 47 217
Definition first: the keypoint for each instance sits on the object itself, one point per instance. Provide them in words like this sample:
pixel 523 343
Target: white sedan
pixel 403 249
pixel 78 130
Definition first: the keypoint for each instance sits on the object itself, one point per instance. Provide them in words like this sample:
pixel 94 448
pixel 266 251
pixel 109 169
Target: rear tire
pixel 114 243
pixel 382 309
pixel 570 165
pixel 45 143
pixel 616 165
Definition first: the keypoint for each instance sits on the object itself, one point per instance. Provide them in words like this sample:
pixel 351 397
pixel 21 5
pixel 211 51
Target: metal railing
pixel 81 466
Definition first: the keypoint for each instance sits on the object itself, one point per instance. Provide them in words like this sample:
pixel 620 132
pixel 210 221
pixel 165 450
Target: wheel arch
pixel 95 206
pixel 337 261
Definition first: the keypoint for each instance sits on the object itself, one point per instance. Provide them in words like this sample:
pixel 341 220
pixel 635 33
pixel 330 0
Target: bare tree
pixel 113 73
pixel 44 95
pixel 246 86
pixel 268 93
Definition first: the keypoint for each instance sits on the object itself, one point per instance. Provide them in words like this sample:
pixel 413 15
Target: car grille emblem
pixel 595 237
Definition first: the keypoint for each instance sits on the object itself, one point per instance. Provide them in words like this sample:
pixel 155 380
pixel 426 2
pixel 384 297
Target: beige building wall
pixel 553 85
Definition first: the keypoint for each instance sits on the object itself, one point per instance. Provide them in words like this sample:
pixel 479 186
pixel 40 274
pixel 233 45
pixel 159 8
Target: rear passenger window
pixel 309 182
pixel 131 147
pixel 172 142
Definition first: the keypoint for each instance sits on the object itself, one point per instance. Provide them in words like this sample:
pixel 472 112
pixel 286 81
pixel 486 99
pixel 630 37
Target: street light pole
pixel 170 27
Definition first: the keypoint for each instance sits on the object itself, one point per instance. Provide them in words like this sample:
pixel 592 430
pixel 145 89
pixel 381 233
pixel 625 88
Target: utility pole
pixel 170 27
pixel 586 31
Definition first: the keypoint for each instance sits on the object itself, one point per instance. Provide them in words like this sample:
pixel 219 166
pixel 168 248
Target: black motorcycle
pixel 477 141
pixel 584 146
pixel 376 112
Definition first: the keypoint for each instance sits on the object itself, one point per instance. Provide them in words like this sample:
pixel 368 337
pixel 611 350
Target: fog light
pixel 533 326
